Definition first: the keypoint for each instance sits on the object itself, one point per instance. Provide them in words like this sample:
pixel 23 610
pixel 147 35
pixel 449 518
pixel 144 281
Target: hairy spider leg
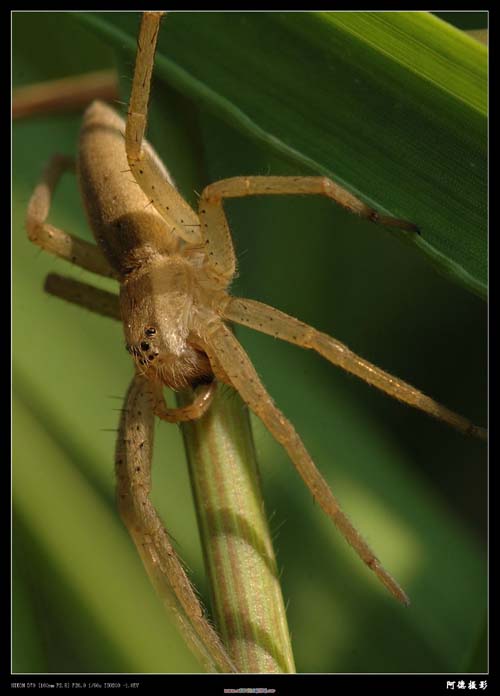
pixel 146 169
pixel 52 239
pixel 84 295
pixel 271 321
pixel 216 237
pixel 223 348
pixel 196 409
pixel 133 471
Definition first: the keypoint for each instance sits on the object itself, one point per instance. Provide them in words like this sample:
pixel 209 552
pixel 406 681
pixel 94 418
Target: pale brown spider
pixel 175 266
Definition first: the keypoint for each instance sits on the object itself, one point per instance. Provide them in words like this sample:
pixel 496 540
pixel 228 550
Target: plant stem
pixel 239 557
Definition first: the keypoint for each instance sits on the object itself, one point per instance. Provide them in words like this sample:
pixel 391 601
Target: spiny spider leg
pixel 52 239
pixel 146 170
pixel 280 325
pixel 223 349
pixel 200 404
pixel 84 295
pixel 216 237
pixel 134 450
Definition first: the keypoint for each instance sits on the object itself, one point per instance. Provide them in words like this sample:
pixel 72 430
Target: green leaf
pixel 390 104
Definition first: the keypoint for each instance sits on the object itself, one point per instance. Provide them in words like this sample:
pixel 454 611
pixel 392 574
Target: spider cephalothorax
pixel 160 305
pixel 188 368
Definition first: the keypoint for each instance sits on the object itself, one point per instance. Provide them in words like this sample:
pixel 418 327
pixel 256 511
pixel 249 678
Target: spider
pixel 175 266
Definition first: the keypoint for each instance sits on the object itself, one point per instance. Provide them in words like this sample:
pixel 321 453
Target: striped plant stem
pixel 246 595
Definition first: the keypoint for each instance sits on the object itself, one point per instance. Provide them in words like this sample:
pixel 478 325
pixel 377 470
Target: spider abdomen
pixel 120 214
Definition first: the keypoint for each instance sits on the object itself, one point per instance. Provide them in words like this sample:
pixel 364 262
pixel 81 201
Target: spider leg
pixel 66 94
pixel 84 295
pixel 280 325
pixel 215 233
pixel 134 449
pixel 52 239
pixel 146 169
pixel 196 409
pixel 223 348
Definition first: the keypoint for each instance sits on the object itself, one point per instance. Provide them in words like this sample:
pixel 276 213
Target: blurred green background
pixel 416 489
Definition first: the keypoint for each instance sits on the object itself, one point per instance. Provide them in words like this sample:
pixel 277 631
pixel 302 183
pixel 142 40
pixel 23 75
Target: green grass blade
pixel 392 105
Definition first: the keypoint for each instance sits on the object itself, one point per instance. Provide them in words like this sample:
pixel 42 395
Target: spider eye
pixel 151 331
pixel 145 345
